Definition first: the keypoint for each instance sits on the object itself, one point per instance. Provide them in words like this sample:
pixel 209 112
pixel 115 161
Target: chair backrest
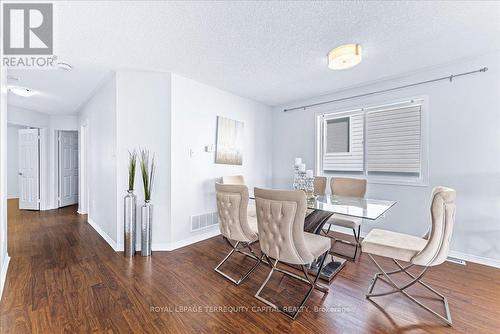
pixel 319 185
pixel 280 220
pixel 344 186
pixel 233 179
pixel 439 236
pixel 232 204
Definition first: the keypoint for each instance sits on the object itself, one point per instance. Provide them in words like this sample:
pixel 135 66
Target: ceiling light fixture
pixel 344 56
pixel 65 66
pixel 22 91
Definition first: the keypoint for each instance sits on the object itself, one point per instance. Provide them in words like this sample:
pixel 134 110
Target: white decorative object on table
pixel 299 177
pixel 296 166
pixel 309 184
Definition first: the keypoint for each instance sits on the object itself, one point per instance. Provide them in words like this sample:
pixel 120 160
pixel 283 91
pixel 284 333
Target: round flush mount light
pixel 65 66
pixel 344 56
pixel 22 91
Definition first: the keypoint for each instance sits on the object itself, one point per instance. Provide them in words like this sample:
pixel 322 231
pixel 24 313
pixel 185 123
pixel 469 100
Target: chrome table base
pixel 330 269
pixel 356 244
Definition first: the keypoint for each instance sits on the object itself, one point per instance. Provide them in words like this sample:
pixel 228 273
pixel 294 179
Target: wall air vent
pixel 204 221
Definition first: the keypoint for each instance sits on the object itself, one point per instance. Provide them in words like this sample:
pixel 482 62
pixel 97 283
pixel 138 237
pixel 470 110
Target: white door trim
pixel 83 203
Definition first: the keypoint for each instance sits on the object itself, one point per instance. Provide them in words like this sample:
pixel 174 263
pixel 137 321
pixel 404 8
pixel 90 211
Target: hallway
pixel 63 277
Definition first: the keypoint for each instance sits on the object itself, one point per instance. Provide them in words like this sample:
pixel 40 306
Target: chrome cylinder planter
pixel 146 222
pixel 129 223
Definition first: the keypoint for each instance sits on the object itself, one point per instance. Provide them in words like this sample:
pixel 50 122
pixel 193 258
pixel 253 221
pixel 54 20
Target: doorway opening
pixel 67 168
pixel 23 166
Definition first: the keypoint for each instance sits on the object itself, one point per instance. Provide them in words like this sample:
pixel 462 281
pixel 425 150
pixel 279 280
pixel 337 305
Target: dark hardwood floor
pixel 63 277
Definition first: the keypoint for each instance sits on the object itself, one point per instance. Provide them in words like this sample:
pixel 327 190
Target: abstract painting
pixel 229 142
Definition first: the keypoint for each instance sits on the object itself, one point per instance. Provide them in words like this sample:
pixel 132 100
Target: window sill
pixel 381 180
pixel 408 183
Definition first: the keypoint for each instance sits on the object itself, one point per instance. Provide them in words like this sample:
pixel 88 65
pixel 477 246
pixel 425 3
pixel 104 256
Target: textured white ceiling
pixel 57 91
pixel 274 52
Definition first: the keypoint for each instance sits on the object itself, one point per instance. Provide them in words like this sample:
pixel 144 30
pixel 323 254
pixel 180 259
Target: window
pixel 342 144
pixel 337 135
pixel 382 143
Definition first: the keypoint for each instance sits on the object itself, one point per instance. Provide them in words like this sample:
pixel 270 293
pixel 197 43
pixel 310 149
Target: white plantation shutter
pixel 343 142
pixel 393 140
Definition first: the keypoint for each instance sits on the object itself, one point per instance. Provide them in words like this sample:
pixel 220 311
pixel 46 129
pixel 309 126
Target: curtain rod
pixel 449 77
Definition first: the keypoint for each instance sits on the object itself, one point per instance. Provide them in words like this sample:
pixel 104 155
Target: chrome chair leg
pixel 385 276
pixel 313 285
pixel 356 244
pixel 236 249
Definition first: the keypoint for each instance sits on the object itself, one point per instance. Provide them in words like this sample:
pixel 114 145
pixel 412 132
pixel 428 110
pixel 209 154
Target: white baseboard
pixel 104 235
pixel 158 247
pixel 3 273
pixel 476 259
pixel 212 233
pixel 194 239
pixel 154 247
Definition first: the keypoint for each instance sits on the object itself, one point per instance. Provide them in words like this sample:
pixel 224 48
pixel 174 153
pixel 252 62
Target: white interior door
pixel 29 169
pixel 68 168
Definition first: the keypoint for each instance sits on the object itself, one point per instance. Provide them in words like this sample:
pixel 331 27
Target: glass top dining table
pixel 325 206
pixel 366 208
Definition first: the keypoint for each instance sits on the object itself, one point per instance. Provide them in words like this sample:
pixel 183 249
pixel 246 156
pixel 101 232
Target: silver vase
pixel 146 222
pixel 129 223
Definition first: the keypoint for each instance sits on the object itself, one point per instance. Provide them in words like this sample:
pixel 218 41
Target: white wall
pixel 143 121
pixel 26 117
pixel 195 107
pixel 4 257
pixel 99 112
pixel 464 145
pixel 12 161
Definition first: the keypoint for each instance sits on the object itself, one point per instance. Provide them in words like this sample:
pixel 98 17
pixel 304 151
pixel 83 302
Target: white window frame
pixel 421 180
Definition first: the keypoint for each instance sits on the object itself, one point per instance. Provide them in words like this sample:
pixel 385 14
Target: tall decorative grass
pixel 148 173
pixel 132 163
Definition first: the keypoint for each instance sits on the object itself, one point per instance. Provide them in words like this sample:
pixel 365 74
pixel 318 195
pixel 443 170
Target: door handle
pixel 20 174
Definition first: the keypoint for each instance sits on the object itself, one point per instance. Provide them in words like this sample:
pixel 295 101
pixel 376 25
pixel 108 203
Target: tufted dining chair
pixel 349 187
pixel 280 221
pixel 239 179
pixel 235 224
pixel 320 185
pixel 233 179
pixel 427 251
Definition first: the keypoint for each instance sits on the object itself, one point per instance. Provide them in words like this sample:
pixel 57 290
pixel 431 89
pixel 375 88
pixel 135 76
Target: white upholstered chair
pixel 280 219
pixel 352 188
pixel 235 224
pixel 320 185
pixel 427 251
pixel 233 179
pixel 239 179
